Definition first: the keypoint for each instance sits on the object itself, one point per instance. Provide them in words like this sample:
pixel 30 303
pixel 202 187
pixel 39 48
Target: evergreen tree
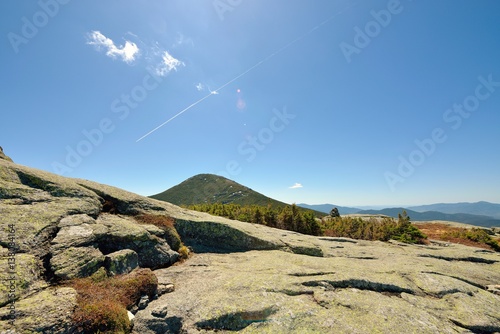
pixel 257 218
pixel 270 217
pixel 314 226
pixel 285 219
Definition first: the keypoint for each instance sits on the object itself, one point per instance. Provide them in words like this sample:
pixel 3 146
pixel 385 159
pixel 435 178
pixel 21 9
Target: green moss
pixel 99 276
pixel 27 275
pixel 77 262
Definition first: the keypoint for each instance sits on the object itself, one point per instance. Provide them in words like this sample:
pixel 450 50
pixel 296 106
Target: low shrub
pixel 102 301
pixel 290 217
pixel 475 237
pixel 102 316
pixel 385 229
pixel 184 252
pixel 133 286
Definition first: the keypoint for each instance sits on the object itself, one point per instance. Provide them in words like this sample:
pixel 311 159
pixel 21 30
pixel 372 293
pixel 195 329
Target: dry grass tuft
pixel 103 301
pixel 163 222
pixel 166 224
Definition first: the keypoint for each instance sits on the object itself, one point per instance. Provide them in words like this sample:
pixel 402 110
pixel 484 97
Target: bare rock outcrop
pixel 3 156
pixel 53 229
pixel 243 277
pixel 357 287
pixel 334 213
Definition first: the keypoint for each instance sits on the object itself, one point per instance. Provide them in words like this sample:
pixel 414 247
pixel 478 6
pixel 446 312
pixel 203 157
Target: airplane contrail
pixel 215 92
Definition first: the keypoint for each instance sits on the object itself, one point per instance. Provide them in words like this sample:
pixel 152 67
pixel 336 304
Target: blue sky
pixel 344 102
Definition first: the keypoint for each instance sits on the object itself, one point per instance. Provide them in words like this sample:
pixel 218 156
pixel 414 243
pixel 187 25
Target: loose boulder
pixel 334 213
pixel 121 262
pixel 75 262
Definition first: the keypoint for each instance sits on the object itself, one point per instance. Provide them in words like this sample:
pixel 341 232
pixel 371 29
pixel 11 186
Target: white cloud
pixel 296 186
pixel 200 87
pixel 168 64
pixel 127 53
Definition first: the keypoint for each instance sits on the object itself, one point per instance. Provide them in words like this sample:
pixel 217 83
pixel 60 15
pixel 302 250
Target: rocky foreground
pixel 242 277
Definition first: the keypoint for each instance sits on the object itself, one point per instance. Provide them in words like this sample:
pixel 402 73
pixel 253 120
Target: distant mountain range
pixel 480 214
pixel 466 218
pixel 210 188
pixel 326 208
pixel 478 208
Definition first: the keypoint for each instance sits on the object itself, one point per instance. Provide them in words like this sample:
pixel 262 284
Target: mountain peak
pixel 211 188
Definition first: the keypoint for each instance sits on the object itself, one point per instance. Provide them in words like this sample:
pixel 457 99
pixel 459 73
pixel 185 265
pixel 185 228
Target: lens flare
pixel 241 104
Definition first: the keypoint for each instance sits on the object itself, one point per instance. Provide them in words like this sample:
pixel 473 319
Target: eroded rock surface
pixel 121 262
pixel 394 290
pixel 243 277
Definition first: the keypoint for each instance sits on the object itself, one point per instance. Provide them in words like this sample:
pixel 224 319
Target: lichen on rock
pixel 74 262
pixel 243 277
pixel 121 262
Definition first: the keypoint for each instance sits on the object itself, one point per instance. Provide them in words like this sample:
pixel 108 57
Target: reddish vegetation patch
pixel 157 220
pixel 103 301
pixel 475 237
pixel 167 224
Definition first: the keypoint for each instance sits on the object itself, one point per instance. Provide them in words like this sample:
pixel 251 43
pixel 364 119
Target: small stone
pixel 131 316
pixel 165 288
pixel 159 312
pixel 143 303
pixel 494 289
pixel 134 309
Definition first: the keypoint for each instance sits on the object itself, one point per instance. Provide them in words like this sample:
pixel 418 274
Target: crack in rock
pixel 465 259
pixel 477 329
pixel 361 285
pixel 236 321
pixel 477 285
pixel 292 293
pixel 332 239
pixel 303 250
pixel 321 303
pixel 321 273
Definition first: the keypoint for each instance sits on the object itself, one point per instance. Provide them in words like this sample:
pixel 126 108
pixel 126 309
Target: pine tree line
pixel 290 218
pixel 373 229
pixel 293 218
